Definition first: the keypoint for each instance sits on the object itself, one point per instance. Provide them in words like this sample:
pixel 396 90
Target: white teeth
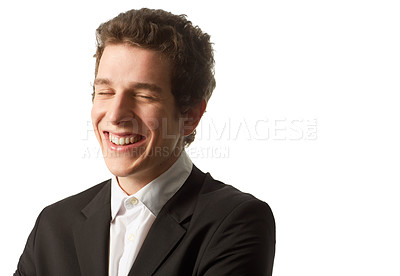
pixel 124 140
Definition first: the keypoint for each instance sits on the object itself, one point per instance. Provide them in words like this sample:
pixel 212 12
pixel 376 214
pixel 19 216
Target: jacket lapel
pixel 169 227
pixel 92 234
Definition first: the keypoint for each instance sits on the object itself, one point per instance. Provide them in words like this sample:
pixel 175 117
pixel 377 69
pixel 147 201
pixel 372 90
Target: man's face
pixel 134 114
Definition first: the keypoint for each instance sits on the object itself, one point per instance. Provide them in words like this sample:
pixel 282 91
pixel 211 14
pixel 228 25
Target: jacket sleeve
pixel 26 264
pixel 243 244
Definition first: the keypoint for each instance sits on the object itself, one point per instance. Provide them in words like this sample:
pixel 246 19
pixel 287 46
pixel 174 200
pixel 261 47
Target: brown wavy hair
pixel 186 46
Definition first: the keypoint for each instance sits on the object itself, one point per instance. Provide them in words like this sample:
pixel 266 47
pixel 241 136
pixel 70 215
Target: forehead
pixel 122 62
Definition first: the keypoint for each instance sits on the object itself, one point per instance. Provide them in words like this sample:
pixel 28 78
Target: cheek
pixel 96 116
pixel 153 118
pixel 153 124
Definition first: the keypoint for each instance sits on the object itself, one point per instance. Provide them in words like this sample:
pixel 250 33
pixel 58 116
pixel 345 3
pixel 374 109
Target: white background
pixel 285 69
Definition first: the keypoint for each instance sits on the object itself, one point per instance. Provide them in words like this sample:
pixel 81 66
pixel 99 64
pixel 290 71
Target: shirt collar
pixel 156 193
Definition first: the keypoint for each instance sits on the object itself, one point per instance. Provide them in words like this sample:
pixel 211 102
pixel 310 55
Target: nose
pixel 120 110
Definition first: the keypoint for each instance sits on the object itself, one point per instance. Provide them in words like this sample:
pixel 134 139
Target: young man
pixel 159 215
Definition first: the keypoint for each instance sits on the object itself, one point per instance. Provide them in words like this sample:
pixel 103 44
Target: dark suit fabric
pixel 207 228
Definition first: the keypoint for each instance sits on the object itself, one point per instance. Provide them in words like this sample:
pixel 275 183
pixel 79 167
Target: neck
pixel 131 184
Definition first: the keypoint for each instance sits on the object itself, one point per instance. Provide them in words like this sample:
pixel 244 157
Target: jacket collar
pixel 91 234
pixel 169 226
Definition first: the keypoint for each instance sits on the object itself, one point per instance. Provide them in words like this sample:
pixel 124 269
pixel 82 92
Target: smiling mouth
pixel 124 140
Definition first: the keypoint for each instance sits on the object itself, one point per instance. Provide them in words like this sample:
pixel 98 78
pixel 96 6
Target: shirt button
pixel 130 202
pixel 133 201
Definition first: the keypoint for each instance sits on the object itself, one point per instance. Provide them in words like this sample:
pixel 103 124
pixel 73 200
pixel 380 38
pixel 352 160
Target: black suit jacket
pixel 207 228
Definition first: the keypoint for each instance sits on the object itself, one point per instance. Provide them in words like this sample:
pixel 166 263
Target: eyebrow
pixel 101 81
pixel 133 85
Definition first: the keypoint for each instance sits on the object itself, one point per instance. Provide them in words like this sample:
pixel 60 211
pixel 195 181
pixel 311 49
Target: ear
pixel 192 116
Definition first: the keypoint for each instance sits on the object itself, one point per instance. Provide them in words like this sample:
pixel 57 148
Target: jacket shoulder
pixel 219 193
pixel 218 200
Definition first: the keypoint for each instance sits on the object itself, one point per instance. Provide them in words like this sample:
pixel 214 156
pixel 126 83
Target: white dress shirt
pixel 132 216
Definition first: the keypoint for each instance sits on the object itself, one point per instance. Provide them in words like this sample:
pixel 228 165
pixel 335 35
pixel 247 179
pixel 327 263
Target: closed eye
pixel 145 97
pixel 104 93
